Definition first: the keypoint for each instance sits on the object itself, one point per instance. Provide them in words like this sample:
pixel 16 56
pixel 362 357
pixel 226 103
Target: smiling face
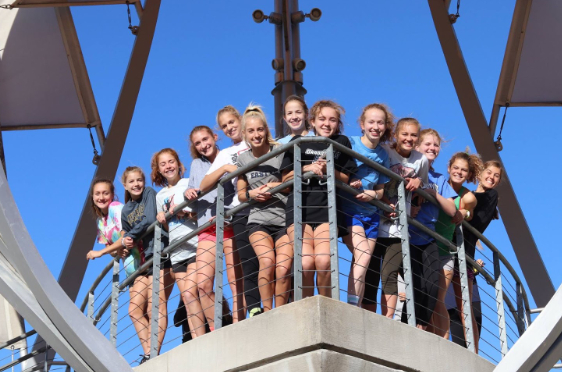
pixel 490 177
pixel 407 138
pixel 134 184
pixel 459 171
pixel 374 124
pixel 102 196
pixel 168 167
pixel 255 132
pixel 230 125
pixel 205 143
pixel 429 146
pixel 326 123
pixel 295 116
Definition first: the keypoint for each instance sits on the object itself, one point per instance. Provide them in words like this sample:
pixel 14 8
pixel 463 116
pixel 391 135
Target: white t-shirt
pixel 178 227
pixel 229 156
pixel 416 165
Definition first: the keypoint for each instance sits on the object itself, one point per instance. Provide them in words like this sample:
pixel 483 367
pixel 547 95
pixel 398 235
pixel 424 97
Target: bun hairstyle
pixel 157 178
pixel 302 102
pixel 317 108
pixel 126 173
pixel 95 209
pixel 389 119
pixel 255 111
pixel 192 150
pixel 474 161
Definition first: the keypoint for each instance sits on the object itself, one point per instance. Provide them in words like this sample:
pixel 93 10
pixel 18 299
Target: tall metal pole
pixel 288 75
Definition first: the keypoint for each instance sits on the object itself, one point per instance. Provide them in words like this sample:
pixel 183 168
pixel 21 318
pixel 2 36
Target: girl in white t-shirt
pixel 413 167
pixel 242 262
pixel 167 171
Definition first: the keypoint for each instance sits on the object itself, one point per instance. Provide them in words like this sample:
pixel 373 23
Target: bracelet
pixel 123 241
pixel 248 195
pixel 467 215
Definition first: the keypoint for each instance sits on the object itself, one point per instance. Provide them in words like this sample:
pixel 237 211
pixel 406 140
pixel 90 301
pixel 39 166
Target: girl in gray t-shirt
pixel 266 222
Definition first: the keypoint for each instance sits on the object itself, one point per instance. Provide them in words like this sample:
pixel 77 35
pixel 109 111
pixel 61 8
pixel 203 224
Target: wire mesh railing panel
pixel 296 236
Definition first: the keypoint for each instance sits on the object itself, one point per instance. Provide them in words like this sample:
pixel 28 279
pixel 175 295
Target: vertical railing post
pixel 499 304
pixel 466 300
pixel 154 311
pixel 333 222
pixel 297 222
pixel 521 326
pixel 219 256
pixel 91 299
pixel 406 259
pixel 46 365
pixel 114 303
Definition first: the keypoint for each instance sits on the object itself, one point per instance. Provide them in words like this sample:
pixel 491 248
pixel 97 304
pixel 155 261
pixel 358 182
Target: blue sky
pixel 209 54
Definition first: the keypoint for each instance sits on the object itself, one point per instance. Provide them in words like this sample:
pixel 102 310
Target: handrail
pixel 502 259
pixel 18 338
pixel 339 184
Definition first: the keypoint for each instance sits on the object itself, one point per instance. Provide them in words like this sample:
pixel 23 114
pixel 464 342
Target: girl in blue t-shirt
pixel 424 252
pixel 362 218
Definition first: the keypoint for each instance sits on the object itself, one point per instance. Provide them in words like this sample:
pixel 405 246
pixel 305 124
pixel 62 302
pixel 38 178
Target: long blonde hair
pixel 255 111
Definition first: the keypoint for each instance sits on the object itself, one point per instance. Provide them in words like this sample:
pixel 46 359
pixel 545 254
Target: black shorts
pixel 165 263
pixel 181 267
pixel 275 232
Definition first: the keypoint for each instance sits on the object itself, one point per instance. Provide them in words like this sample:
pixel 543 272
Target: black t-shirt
pixel 315 194
pixel 484 213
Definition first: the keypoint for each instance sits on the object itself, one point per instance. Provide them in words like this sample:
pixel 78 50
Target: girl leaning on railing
pixel 362 218
pixel 266 222
pixel 326 121
pixel 167 172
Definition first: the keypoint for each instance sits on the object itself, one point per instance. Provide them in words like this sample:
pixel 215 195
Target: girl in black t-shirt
pixel 325 118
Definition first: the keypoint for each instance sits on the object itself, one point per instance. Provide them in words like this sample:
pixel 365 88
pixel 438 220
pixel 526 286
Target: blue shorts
pixel 369 223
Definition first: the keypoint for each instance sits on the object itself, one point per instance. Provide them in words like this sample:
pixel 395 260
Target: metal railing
pixel 507 291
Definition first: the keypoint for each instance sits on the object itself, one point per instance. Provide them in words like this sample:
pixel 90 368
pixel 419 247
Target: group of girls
pixel 258 239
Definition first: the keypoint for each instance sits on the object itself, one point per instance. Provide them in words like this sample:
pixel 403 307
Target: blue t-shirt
pixel 289 137
pixel 368 176
pixel 429 212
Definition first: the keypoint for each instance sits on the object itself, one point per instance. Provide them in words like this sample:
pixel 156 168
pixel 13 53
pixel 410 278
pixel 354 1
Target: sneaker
pixel 145 358
pixel 256 311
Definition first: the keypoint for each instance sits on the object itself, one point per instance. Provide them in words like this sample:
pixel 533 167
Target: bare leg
pixel 441 321
pixel 263 246
pixel 308 265
pixel 284 260
pixel 460 306
pixel 138 293
pixel 187 284
pixel 166 286
pixel 234 276
pixel 322 259
pixel 206 278
pixel 362 249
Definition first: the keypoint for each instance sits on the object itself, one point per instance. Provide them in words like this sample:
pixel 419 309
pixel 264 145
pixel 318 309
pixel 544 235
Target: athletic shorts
pixel 447 262
pixel 210 234
pixel 275 232
pixel 369 223
pixel 165 263
pixel 469 271
pixel 181 267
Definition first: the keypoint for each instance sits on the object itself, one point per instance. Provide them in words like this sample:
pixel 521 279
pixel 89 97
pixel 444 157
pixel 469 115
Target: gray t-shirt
pixel 272 211
pixel 205 206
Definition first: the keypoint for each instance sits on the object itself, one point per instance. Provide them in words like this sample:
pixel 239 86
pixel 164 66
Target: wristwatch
pixel 248 195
